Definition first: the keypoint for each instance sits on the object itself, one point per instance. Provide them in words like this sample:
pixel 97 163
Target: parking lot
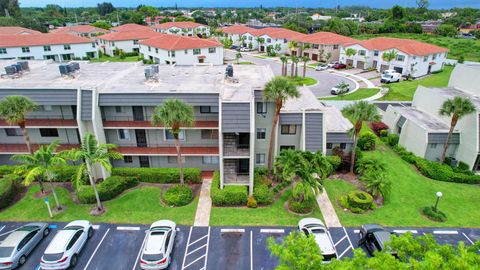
pixel 118 246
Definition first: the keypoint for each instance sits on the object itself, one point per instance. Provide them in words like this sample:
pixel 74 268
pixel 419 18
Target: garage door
pixel 383 68
pixel 262 48
pixel 398 69
pixel 360 64
pixel 349 62
pixel 315 57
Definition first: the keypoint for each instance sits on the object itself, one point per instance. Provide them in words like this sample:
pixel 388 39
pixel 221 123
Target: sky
pixel 435 4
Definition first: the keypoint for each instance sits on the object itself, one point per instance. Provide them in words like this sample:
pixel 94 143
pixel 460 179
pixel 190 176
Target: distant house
pixel 157 20
pixel 318 17
pixel 466 29
pixel 17 30
pixel 80 30
pixel 321 45
pixel 413 58
pixel 430 26
pixel 182 50
pixel 129 27
pixel 354 17
pixel 128 41
pixel 183 28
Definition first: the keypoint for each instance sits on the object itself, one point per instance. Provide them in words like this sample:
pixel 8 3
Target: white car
pixel 321 67
pixel 390 76
pixel 315 227
pixel 158 246
pixel 63 250
pixel 333 64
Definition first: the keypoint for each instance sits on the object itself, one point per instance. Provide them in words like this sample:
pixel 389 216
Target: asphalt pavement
pixel 118 247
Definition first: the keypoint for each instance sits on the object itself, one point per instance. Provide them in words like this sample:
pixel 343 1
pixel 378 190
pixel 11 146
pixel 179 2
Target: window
pixel 343 146
pixel 425 58
pixel 286 147
pixel 209 134
pixel 329 145
pixel 362 52
pixel 212 50
pixel 173 159
pixel 335 47
pixel 261 133
pixel 289 129
pixel 47 48
pixel 127 159
pixel 208 109
pixel 118 109
pixel 375 53
pixel 186 51
pixel 196 51
pixel 25 49
pixel 172 53
pixel 94 45
pixel 434 56
pixel 210 160
pixel 123 134
pixel 169 135
pixel 261 107
pixel 13 132
pixel 113 43
pixel 149 49
pixel 135 42
pixel 260 159
pixel 48 132
pixel 67 47
pixel 315 46
pixel 269 40
pixel 47 108
pixel 74 239
pixel 433 145
pixel 3 50
pixel 400 58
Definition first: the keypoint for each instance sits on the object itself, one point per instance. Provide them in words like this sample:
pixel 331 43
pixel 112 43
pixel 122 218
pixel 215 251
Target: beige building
pixel 323 46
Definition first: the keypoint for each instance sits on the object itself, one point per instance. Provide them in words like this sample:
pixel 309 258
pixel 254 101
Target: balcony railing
pixel 168 150
pixel 147 124
pixel 147 118
pixel 236 178
pixel 45 122
pixel 22 148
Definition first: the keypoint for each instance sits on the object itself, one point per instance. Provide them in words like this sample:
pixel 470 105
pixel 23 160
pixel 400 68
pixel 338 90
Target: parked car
pixel 339 66
pixel 374 237
pixel 333 64
pixel 315 227
pixel 63 250
pixel 158 246
pixel 389 77
pixel 340 89
pixel 321 67
pixel 234 47
pixel 18 244
pixel 244 49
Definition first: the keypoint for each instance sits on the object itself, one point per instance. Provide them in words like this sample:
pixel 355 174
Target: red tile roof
pixel 176 42
pixel 129 27
pixel 22 148
pixel 41 39
pixel 16 30
pixel 182 25
pixel 167 151
pixel 409 46
pixel 45 123
pixel 147 124
pixel 237 29
pixel 326 38
pixel 79 29
pixel 278 33
pixel 129 35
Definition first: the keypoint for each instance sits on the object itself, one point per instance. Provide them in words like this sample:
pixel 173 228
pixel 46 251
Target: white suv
pixel 158 246
pixel 63 250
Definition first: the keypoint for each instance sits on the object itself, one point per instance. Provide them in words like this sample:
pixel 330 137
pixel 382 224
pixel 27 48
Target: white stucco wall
pixel 182 57
pixel 108 47
pixel 38 52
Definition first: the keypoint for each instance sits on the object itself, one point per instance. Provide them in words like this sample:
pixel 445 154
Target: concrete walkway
pixel 383 91
pixel 202 216
pixel 328 212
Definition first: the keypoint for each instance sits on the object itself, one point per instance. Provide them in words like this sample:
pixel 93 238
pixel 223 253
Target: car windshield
pixel 52 257
pixel 152 257
pixel 318 231
pixel 388 76
pixel 75 228
pixel 6 251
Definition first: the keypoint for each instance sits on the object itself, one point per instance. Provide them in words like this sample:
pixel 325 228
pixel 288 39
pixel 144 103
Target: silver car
pixel 63 250
pixel 315 227
pixel 158 246
pixel 18 244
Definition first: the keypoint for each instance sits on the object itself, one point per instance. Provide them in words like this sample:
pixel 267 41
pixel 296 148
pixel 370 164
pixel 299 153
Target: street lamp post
pixel 439 195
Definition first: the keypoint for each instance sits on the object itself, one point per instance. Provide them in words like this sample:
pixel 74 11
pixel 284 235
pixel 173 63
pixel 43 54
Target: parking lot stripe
pixel 194 261
pixel 279 231
pixel 198 240
pixel 445 232
pixel 1 229
pixel 197 249
pixel 339 241
pixel 120 228
pixel 186 248
pixel 405 231
pixel 355 231
pixel 96 227
pixel 232 230
pixel 349 242
pixel 95 251
pixel 251 250
pixel 7 232
pixel 206 252
pixel 139 252
pixel 468 238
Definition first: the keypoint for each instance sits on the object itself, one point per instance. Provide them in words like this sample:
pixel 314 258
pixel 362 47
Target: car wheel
pixel 398 80
pixel 73 261
pixel 22 260
pixel 90 233
pixel 46 232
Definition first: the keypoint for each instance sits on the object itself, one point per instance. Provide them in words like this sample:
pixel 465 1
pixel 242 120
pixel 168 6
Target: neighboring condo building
pixel 180 50
pixel 17 30
pixel 183 28
pixel 413 57
pixel 115 102
pixel 129 27
pixel 127 41
pixel 80 30
pixel 423 131
pixel 322 46
pixel 57 47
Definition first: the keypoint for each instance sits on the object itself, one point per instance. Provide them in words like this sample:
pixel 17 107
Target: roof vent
pixel 150 74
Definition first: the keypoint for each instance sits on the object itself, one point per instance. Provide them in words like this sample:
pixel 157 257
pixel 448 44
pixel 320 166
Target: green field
pixel 469 48
pixel 139 206
pixel 361 93
pixel 300 81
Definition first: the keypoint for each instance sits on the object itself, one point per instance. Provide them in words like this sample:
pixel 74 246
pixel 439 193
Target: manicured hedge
pixel 160 175
pixel 301 207
pixel 357 201
pixel 107 190
pixel 366 141
pixel 7 189
pixel 263 194
pixel 438 215
pixel 178 195
pixel 335 161
pixel 229 195
pixel 62 174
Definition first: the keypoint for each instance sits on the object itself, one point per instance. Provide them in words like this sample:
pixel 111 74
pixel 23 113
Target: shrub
pixel 405 155
pixel 263 194
pixel 281 186
pixel 430 212
pixel 229 195
pixel 378 127
pixel 367 165
pixel 251 202
pixel 7 189
pixel 366 141
pixel 62 174
pixel 6 169
pixel 383 133
pixel 178 195
pixel 160 175
pixel 335 161
pixel 357 201
pixel 392 139
pixel 301 207
pixel 107 190
pixel 463 166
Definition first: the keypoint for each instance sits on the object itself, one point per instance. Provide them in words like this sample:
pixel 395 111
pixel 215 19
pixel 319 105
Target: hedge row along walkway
pixel 328 212
pixel 202 216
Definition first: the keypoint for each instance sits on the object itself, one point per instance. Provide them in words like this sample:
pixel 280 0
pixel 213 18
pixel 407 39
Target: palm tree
pixel 293 46
pixel 376 184
pixel 13 109
pixel 455 108
pixel 296 60
pixel 350 52
pixel 328 55
pixel 285 70
pixel 358 113
pixel 41 164
pixel 389 56
pixel 260 41
pixel 278 90
pixel 238 55
pixel 174 113
pixel 284 60
pixel 92 154
pixel 305 59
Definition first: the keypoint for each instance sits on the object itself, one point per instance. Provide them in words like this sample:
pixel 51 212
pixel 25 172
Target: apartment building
pixel 115 102
pixel 128 41
pixel 190 29
pixel 322 46
pixel 129 27
pixel 80 30
pixel 423 131
pixel 57 47
pixel 235 32
pixel 17 30
pixel 413 57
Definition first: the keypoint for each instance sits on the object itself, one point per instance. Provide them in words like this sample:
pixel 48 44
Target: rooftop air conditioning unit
pixel 10 70
pixel 156 68
pixel 149 73
pixel 17 67
pixel 24 65
pixel 229 71
pixel 63 69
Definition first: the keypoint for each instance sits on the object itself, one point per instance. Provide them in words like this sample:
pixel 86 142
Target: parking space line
pixel 445 232
pixel 330 236
pixel 120 228
pixel 279 231
pixel 194 261
pixel 96 249
pixel 1 229
pixel 355 231
pixel 140 252
pixel 339 241
pixel 7 232
pixel 197 240
pixel 468 238
pixel 206 252
pixel 232 230
pixel 186 248
pixel 343 253
pixel 251 250
pixel 405 231
pixel 197 249
pixel 349 242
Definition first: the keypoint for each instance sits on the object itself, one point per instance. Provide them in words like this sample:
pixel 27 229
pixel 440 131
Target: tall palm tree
pixel 41 164
pixel 293 46
pixel 238 55
pixel 296 60
pixel 305 59
pixel 92 153
pixel 350 52
pixel 455 108
pixel 174 114
pixel 358 113
pixel 284 60
pixel 292 67
pixel 304 47
pixel 13 109
pixel 278 90
pixel 389 56
pixel 285 70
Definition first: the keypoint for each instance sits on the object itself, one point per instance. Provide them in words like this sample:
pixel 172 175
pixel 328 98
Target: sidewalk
pixel 202 216
pixel 328 212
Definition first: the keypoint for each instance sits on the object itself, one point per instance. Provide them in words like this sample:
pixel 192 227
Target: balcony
pixel 152 150
pixel 44 122
pixel 22 148
pixel 108 124
pixel 236 145
pixel 236 172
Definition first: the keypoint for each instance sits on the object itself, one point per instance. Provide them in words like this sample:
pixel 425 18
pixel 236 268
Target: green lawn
pixel 273 215
pixel 469 48
pixel 141 205
pixel 404 90
pixel 245 63
pixel 410 192
pixel 105 58
pixel 361 93
pixel 300 81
